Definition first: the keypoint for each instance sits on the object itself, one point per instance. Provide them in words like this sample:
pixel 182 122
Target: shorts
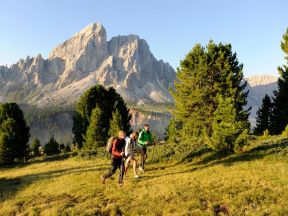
pixel 142 148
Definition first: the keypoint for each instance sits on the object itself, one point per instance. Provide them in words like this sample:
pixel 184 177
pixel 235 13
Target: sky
pixel 171 28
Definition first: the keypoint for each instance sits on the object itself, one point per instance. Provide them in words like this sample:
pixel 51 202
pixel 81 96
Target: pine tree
pixel 11 116
pixel 263 118
pixel 107 101
pixel 279 118
pixel 94 135
pixel 171 132
pixel 116 123
pixel 51 147
pixel 35 145
pixel 204 74
pixel 7 141
pixel 226 126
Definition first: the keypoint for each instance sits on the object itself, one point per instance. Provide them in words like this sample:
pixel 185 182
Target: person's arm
pixel 115 151
pixel 127 143
pixel 140 139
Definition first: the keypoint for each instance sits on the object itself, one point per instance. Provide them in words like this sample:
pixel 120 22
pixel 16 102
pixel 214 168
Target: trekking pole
pixel 153 150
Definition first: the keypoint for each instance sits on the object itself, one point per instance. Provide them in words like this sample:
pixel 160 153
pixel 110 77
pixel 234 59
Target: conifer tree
pixel 7 141
pixel 35 145
pixel 226 126
pixel 279 118
pixel 94 135
pixel 108 100
pixel 15 131
pixel 263 118
pixel 51 147
pixel 116 123
pixel 171 132
pixel 205 73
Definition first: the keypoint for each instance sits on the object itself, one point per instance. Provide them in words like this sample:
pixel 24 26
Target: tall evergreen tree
pixel 13 125
pixel 51 147
pixel 94 135
pixel 204 74
pixel 226 126
pixel 116 123
pixel 263 116
pixel 279 118
pixel 108 100
pixel 7 138
pixel 171 132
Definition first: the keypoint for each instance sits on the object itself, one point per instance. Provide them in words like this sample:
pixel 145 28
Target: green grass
pixel 252 183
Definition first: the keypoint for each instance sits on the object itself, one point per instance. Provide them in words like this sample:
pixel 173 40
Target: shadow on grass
pixel 37 160
pixel 192 155
pixel 279 146
pixel 10 186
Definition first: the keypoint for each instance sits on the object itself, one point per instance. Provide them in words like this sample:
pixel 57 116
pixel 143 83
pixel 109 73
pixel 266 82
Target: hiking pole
pixel 153 150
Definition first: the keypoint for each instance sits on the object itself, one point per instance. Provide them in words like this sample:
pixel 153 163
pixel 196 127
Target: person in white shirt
pixel 129 152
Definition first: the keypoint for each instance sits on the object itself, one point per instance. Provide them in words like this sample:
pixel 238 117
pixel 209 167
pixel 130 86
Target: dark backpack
pixel 109 144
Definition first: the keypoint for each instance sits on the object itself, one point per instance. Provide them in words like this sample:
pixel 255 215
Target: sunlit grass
pixel 254 183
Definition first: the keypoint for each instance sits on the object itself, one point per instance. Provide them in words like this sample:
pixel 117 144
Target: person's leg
pixel 127 164
pixel 135 167
pixel 122 171
pixel 144 157
pixel 142 160
pixel 112 170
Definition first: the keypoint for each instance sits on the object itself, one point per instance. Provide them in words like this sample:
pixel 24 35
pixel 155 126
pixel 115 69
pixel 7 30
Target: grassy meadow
pixel 251 183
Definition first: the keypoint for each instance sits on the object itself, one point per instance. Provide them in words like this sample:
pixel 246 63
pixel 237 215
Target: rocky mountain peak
pixel 87 58
pixel 261 80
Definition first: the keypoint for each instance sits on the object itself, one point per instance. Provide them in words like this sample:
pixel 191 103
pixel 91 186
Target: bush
pixel 52 147
pixel 265 135
pixel 241 141
pixel 61 147
pixel 285 132
pixel 67 148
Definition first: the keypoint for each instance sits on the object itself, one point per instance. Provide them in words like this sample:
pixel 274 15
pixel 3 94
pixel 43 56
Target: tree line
pixel 272 116
pixel 209 109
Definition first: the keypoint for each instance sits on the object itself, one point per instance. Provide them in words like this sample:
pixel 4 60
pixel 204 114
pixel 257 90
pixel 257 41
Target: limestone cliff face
pixel 86 59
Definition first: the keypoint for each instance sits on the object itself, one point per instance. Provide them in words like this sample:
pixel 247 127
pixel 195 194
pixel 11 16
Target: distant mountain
pixel 86 59
pixel 258 86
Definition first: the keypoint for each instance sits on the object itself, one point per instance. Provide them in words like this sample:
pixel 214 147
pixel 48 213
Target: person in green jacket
pixel 144 139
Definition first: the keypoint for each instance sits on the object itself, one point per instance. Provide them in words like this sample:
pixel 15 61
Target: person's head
pixel 121 134
pixel 134 135
pixel 146 127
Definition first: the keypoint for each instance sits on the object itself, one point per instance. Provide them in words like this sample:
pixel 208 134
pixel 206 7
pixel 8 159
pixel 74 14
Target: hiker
pixel 129 152
pixel 117 154
pixel 144 139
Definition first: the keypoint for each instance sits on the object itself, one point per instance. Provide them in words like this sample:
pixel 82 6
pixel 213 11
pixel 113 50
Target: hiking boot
pixel 136 176
pixel 120 184
pixel 102 179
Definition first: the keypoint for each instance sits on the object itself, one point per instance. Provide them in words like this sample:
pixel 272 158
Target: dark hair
pixel 135 133
pixel 146 125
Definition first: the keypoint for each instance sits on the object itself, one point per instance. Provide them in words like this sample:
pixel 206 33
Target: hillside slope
pixel 253 183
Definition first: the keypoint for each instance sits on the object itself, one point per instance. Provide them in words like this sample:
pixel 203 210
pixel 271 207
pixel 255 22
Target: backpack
pixel 109 144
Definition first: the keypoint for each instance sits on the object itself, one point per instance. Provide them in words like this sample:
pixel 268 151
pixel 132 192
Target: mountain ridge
pixel 87 58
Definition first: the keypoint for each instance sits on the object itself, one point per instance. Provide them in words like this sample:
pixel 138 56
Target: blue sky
pixel 171 28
